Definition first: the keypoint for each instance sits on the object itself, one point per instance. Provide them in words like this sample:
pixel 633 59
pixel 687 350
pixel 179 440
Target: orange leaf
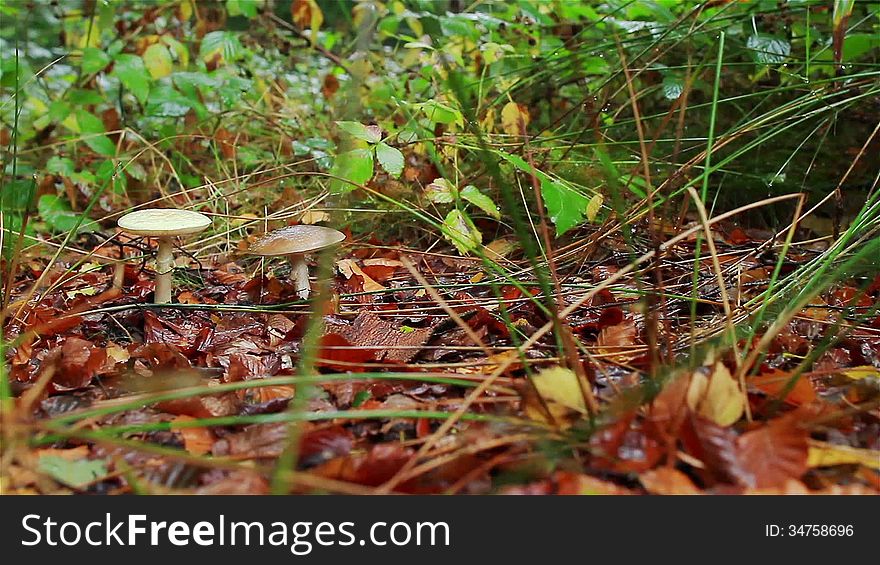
pixel 775 382
pixel 197 441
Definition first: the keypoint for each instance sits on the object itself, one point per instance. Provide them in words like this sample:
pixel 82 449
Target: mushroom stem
pixel 164 266
pixel 300 275
pixel 118 274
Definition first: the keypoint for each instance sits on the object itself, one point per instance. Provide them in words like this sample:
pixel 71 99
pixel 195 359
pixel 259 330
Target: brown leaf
pixel 214 406
pixel 614 342
pixel 237 482
pixel 330 85
pixel 772 454
pixel 387 341
pixel 371 469
pixel 79 361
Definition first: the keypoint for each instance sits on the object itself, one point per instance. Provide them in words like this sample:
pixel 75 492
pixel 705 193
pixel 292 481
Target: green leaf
pixel 441 113
pixel 223 42
pixel 473 195
pixel 768 49
pixel 672 87
pixel 60 166
pixel 133 75
pixel 390 158
pixel 94 60
pixel 370 134
pixel 75 474
pixel 166 101
pixel 59 110
pixel 57 214
pixel 83 97
pixel 355 166
pixel 104 176
pixel 460 230
pixel 158 61
pixel 441 191
pixel 90 124
pixel 246 8
pixel 565 205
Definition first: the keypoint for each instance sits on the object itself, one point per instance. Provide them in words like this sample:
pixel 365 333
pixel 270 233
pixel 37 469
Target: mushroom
pixel 164 224
pixel 296 242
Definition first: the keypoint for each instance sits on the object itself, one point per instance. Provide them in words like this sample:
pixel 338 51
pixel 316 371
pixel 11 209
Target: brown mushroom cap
pixel 160 222
pixel 294 240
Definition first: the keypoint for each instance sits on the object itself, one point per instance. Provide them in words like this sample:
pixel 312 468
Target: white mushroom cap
pixel 294 240
pixel 161 222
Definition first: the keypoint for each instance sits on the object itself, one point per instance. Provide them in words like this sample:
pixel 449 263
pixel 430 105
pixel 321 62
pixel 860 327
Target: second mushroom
pixel 295 242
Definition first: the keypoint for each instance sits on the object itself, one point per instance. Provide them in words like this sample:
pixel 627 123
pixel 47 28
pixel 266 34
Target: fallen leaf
pixel 615 342
pixel 772 454
pixel 78 363
pixel 313 217
pixel 350 268
pixel 387 340
pixel 774 382
pixel 75 473
pixel 861 372
pixel 717 396
pixel 822 454
pixel 668 480
pixel 196 440
pixel 561 393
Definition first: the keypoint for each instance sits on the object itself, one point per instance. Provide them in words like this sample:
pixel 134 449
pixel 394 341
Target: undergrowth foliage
pixel 592 247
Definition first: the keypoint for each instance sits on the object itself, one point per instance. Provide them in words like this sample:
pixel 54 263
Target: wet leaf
pixel 775 382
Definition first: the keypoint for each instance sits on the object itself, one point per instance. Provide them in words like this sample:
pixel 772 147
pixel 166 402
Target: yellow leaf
pixel 307 14
pixel 862 372
pixel 158 61
pixel 594 206
pixel 488 121
pixel 716 397
pixel 184 11
pixel 824 454
pixel 555 398
pixel 514 118
pixel 558 385
pixel 500 248
pixel 313 217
